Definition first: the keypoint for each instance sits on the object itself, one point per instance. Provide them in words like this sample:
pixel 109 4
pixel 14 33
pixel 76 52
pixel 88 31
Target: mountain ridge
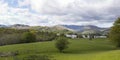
pixel 73 28
pixel 81 28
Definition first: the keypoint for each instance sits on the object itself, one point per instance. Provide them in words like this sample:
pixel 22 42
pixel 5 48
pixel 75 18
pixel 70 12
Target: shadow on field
pixel 86 47
pixel 86 51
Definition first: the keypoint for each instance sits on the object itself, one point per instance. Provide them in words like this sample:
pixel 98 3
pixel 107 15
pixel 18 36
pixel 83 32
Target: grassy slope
pixel 98 49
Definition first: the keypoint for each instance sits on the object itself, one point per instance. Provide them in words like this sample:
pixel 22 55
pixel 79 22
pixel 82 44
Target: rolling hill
pixel 79 49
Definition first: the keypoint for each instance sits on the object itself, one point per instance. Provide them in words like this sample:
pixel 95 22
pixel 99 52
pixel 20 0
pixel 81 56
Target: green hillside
pixel 79 49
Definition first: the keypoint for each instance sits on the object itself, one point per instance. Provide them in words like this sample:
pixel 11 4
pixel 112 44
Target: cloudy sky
pixel 53 12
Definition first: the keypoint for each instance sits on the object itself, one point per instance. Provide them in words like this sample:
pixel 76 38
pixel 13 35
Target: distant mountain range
pixel 73 28
pixel 3 26
pixel 20 26
pixel 84 27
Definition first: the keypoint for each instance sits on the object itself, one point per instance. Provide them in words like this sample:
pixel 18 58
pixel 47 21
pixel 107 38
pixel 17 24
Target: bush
pixel 61 44
pixel 28 37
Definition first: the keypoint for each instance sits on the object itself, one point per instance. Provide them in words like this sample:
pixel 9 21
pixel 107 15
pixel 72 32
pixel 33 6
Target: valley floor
pixel 79 49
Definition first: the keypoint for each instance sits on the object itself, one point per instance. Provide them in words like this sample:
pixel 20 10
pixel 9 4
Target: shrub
pixel 61 43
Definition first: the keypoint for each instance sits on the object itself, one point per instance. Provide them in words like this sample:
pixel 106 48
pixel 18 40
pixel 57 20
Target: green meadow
pixel 79 49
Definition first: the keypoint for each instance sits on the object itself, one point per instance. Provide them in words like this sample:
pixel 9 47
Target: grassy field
pixel 79 49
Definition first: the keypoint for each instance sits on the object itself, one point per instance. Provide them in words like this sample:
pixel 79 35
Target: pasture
pixel 79 49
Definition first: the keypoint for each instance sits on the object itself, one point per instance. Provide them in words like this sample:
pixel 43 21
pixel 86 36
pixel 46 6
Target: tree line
pixel 16 36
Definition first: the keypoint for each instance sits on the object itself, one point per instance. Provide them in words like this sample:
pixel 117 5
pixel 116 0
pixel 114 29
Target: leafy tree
pixel 28 37
pixel 45 36
pixel 61 44
pixel 7 39
pixel 115 33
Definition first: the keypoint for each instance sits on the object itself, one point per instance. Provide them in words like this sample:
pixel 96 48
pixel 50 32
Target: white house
pixel 100 36
pixel 71 35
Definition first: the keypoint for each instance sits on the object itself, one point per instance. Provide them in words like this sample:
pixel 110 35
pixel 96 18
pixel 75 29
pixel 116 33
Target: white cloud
pixel 3 7
pixel 52 12
pixel 23 3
